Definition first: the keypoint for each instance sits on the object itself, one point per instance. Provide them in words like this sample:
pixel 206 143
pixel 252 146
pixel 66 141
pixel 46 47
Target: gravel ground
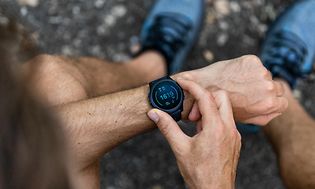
pixel 109 28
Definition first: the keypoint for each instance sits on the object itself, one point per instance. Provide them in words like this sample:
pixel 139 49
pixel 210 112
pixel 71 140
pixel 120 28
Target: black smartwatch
pixel 166 95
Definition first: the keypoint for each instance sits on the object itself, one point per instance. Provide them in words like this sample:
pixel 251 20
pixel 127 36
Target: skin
pixel 209 159
pixel 293 137
pixel 98 113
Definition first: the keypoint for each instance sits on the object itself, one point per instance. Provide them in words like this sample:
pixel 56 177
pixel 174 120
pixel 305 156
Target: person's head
pixel 31 141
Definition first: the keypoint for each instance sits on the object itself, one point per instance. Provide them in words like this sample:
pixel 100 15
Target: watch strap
pixel 153 82
pixel 177 115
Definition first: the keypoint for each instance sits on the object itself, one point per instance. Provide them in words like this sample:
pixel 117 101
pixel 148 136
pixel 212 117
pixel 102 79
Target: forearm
pixel 97 125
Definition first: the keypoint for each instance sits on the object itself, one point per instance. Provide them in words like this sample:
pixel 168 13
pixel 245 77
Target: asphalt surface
pixel 109 28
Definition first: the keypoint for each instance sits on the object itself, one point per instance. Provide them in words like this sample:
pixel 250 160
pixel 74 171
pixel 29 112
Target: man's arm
pixel 97 125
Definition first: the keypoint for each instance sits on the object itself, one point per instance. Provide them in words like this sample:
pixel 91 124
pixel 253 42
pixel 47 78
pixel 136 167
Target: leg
pixel 62 80
pixel 293 138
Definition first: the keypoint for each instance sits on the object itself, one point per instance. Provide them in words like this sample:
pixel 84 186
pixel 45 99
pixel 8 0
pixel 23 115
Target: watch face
pixel 167 95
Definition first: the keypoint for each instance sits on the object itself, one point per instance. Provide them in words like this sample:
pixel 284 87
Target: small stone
pixel 77 42
pixel 110 20
pixel 248 40
pixel 120 57
pixel 262 28
pixel 55 20
pixel 254 20
pixel 99 3
pixel 311 77
pixel 4 20
pixel 271 12
pixel 119 11
pixel 297 94
pixel 208 55
pixel 157 187
pixel 66 50
pixel 101 30
pixel 222 7
pixel 222 39
pixel 210 17
pixel 235 7
pixel 76 10
pixel 223 25
pixel 24 11
pixel 35 36
pixel 31 3
pixel 308 104
pixel 96 50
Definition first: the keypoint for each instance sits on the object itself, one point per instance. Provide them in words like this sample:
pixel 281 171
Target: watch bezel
pixel 153 88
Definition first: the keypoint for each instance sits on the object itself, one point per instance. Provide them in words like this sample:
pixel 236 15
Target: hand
pixel 209 159
pixel 255 97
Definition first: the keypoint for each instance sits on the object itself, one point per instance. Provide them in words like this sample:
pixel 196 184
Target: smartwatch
pixel 166 95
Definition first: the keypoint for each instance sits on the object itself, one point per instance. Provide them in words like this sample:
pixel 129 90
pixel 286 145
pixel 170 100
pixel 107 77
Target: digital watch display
pixel 166 95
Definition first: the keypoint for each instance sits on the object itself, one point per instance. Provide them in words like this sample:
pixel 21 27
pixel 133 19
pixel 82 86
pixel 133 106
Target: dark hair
pixel 31 141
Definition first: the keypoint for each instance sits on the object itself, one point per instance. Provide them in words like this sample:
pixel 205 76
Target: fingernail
pixel 153 116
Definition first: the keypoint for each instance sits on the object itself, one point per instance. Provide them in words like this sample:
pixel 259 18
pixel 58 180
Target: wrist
pixel 188 100
pixel 206 77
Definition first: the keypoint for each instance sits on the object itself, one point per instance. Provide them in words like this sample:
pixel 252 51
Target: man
pixel 98 112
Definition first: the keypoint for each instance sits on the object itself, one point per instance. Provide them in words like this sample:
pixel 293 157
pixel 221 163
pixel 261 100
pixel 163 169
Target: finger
pixel 238 145
pixel 169 128
pixel 206 103
pixel 225 108
pixel 194 114
pixel 262 120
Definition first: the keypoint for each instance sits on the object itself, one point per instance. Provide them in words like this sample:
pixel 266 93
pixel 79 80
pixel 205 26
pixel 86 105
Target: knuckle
pixel 187 76
pixel 252 59
pixel 235 135
pixel 270 103
pixel 232 133
pixel 266 73
pixel 270 86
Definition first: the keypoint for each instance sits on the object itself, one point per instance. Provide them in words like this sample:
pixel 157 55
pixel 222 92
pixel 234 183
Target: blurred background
pixel 109 29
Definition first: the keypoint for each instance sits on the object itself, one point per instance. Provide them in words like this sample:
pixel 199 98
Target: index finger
pixel 206 103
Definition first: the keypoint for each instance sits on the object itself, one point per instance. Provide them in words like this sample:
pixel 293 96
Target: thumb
pixel 168 127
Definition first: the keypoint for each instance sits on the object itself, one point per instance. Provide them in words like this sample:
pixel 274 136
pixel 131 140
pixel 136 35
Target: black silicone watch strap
pixel 166 77
pixel 177 115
